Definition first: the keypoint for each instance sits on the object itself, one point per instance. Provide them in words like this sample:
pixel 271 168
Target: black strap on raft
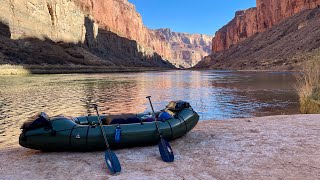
pixel 170 129
pixel 183 121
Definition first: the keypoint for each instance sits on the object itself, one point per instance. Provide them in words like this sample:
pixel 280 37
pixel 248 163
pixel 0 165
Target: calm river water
pixel 215 95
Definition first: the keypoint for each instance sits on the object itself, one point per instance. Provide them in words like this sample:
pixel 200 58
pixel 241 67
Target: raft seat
pixel 123 119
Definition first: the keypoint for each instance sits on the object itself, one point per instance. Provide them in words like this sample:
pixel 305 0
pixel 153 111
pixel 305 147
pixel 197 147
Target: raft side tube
pixel 78 137
pixel 68 134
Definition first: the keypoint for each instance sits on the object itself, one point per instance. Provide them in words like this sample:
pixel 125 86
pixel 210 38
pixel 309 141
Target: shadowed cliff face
pixel 108 45
pixel 99 48
pixel 120 16
pixel 35 51
pixel 254 20
pixel 62 21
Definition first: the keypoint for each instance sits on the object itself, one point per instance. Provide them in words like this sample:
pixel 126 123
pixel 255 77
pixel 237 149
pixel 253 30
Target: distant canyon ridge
pixel 91 32
pixel 277 34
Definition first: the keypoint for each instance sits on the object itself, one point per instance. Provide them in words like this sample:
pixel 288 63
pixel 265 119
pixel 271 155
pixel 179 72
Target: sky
pixel 190 16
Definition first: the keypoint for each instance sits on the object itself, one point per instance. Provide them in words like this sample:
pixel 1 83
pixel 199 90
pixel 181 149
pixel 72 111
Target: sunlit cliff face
pixel 248 22
pixel 65 21
pixel 58 21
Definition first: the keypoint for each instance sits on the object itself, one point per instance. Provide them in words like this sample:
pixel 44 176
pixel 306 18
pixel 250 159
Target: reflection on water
pixel 213 94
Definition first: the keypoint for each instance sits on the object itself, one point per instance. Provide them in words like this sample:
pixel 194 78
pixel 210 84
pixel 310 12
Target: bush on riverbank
pixel 7 69
pixel 308 87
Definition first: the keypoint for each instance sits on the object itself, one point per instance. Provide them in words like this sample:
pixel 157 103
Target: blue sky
pixel 191 16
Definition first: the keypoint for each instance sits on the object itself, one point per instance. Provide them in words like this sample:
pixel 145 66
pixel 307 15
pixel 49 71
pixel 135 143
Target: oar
pixel 111 158
pixel 164 147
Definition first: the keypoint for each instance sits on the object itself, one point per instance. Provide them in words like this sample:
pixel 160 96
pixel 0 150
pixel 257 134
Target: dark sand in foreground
pixel 275 147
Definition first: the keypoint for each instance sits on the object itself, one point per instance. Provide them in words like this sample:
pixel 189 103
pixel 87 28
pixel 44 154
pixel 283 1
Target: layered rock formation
pixel 191 48
pixel 67 21
pixel 285 46
pixel 120 16
pixel 61 32
pixel 267 14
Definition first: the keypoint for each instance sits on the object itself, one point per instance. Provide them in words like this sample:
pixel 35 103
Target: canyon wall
pixel 58 20
pixel 288 45
pixel 248 22
pixel 65 21
pixel 120 16
pixel 191 48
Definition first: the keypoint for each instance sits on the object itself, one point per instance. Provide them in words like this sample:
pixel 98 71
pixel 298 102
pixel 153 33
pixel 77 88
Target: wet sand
pixel 275 147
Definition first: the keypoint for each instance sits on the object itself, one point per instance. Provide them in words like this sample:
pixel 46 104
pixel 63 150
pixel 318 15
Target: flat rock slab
pixel 275 147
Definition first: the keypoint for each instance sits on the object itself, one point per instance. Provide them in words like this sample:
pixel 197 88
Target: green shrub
pixel 308 87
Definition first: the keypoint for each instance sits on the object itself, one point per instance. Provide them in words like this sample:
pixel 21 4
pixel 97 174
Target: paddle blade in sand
pixel 112 162
pixel 111 158
pixel 165 151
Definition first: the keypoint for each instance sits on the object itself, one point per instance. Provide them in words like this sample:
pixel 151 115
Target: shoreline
pixel 272 147
pixel 8 69
pixel 60 69
pixel 244 70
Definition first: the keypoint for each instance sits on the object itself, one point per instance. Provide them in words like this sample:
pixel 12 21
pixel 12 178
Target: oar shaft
pixel 164 147
pixel 154 115
pixel 112 161
pixel 150 104
pixel 101 127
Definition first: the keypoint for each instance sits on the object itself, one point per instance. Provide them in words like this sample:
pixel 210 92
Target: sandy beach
pixel 275 147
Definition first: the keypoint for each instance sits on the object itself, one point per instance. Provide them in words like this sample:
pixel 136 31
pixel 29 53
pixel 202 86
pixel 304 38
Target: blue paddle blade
pixel 165 151
pixel 112 161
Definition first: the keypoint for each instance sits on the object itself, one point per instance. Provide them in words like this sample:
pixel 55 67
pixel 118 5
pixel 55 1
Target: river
pixel 215 95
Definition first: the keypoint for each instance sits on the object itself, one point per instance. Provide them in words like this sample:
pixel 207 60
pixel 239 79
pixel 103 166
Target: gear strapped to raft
pixel 37 121
pixel 61 133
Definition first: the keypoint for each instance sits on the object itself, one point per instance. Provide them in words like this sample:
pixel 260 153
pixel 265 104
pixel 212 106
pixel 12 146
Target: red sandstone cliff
pixel 288 45
pixel 110 29
pixel 66 32
pixel 267 14
pixel 120 17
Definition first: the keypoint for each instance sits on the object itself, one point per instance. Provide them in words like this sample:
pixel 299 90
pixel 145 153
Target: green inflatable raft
pixel 83 133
